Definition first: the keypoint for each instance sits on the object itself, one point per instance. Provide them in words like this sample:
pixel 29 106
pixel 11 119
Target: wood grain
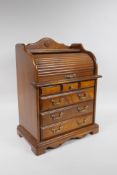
pixel 58 115
pixel 58 67
pixel 27 94
pixel 48 90
pixel 65 126
pixel 65 99
pixel 57 86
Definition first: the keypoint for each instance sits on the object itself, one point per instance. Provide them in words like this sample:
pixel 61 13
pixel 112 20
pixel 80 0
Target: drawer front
pixel 50 102
pixel 50 117
pixel 85 84
pixel 54 89
pixel 47 90
pixel 70 86
pixel 65 126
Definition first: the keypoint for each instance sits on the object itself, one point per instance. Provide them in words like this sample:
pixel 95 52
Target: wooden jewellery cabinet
pixel 56 93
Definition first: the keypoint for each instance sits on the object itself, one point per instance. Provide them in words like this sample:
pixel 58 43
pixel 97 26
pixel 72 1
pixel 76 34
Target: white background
pixel 91 22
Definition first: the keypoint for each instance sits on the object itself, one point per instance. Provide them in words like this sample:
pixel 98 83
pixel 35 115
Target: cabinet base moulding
pixel 40 147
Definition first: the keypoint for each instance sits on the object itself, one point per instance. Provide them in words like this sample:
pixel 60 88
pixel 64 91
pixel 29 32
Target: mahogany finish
pixel 57 115
pixel 56 93
pixel 65 99
pixel 65 126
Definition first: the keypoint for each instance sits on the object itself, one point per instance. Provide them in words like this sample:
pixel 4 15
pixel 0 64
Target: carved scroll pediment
pixel 46 43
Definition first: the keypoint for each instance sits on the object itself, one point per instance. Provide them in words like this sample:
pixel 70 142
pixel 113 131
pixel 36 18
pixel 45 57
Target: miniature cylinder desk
pixel 56 93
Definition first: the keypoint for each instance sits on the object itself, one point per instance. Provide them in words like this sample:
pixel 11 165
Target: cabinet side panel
pixel 27 94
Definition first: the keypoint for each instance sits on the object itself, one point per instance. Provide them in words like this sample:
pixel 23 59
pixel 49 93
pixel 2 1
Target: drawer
pixel 47 90
pixel 65 99
pixel 85 84
pixel 65 126
pixel 50 117
pixel 70 86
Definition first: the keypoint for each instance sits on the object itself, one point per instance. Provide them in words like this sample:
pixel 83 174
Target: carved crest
pixel 46 43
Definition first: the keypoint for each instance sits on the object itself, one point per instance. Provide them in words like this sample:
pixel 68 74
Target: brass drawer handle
pixel 82 109
pixel 71 87
pixel 83 95
pixel 81 122
pixel 57 129
pixel 69 76
pixel 56 103
pixel 55 117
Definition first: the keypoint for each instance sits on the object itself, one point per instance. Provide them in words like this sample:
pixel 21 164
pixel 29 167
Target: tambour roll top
pixel 56 62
